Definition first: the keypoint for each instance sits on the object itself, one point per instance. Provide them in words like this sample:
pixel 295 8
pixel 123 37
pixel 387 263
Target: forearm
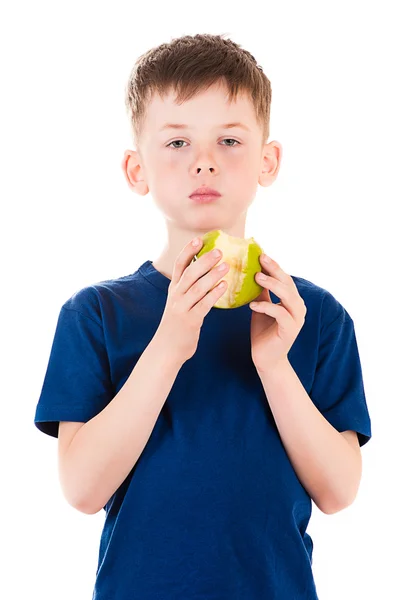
pixel 325 463
pixel 106 448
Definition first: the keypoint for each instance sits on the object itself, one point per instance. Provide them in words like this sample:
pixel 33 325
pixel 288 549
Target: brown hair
pixel 191 64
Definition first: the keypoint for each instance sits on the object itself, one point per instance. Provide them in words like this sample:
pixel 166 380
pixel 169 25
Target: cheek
pixel 241 164
pixel 165 175
pixel 168 184
pixel 164 162
pixel 170 162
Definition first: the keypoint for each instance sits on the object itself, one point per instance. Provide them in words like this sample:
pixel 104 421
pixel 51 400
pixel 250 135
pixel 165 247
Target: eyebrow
pixel 184 126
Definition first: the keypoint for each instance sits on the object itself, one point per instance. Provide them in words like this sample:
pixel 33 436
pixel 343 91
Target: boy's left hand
pixel 275 327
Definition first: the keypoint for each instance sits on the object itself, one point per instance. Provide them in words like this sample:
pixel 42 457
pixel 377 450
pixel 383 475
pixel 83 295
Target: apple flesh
pixel 243 256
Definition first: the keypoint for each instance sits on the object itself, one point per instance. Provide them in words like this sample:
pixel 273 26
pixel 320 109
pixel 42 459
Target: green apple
pixel 243 256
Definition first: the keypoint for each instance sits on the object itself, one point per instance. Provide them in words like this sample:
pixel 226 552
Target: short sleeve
pixel 77 383
pixel 337 389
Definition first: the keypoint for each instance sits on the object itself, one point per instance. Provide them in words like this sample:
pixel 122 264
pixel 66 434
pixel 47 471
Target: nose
pixel 199 169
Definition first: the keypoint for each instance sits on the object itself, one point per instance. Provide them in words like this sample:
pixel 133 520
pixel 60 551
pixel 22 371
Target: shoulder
pixel 95 299
pixel 85 301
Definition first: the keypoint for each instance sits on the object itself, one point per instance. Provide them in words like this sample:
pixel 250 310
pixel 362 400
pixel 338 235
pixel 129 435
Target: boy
pixel 204 460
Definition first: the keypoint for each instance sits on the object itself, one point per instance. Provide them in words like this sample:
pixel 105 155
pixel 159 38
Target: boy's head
pixel 203 81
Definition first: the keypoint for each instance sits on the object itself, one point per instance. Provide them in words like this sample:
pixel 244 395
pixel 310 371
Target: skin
pixel 205 156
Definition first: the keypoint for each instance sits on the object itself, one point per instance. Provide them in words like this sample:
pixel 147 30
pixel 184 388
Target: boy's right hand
pixel 188 300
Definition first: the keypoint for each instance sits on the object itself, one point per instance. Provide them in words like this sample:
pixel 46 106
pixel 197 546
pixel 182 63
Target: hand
pixel 275 327
pixel 191 295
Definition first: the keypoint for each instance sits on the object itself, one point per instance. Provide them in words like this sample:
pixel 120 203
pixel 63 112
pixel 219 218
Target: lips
pixel 205 191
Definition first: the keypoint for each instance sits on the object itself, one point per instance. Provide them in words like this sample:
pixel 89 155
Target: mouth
pixel 205 190
pixel 204 198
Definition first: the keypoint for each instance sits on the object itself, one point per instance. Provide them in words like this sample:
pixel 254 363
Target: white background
pixel 69 220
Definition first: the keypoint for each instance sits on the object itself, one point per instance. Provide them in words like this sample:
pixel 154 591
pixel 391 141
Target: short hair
pixel 189 65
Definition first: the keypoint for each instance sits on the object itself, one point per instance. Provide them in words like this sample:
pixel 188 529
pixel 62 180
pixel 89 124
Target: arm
pixel 106 448
pixel 327 465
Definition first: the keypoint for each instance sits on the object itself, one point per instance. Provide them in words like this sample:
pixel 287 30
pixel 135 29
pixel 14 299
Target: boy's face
pixel 206 155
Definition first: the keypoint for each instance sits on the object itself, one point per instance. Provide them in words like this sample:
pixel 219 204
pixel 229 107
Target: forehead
pixel 207 109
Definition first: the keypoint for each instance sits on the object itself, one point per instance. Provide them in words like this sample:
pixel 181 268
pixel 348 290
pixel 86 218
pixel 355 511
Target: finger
pixel 260 306
pixel 197 278
pixel 290 297
pixel 184 259
pixel 277 287
pixel 272 268
pixel 209 300
pixel 277 311
pixel 264 295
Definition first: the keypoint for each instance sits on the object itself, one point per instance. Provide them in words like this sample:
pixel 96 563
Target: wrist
pixel 273 368
pixel 162 346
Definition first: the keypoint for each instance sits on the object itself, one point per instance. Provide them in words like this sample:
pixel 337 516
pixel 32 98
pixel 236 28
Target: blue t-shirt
pixel 213 508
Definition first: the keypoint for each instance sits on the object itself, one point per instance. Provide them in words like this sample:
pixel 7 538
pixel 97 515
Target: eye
pixel 176 141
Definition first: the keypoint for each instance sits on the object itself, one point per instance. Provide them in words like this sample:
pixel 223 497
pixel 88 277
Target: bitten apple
pixel 243 257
